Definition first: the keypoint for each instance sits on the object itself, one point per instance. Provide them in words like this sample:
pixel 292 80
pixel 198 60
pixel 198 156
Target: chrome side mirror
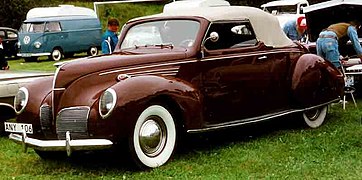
pixel 214 37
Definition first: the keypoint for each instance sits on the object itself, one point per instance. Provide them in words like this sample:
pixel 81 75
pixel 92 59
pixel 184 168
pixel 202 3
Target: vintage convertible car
pixel 215 68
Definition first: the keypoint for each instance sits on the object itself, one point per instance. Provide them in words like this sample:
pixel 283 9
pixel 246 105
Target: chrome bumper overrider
pixel 67 145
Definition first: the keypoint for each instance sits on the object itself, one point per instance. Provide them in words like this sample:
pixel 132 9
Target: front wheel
pixel 154 137
pixel 56 54
pixel 314 118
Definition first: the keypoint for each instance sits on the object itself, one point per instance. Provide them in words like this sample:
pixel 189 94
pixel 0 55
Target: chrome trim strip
pixel 146 67
pixel 254 119
pixel 61 145
pixel 195 60
pixel 58 89
pixel 32 54
pixel 54 80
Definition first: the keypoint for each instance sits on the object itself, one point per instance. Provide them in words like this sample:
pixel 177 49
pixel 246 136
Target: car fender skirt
pixel 311 83
pixel 68 145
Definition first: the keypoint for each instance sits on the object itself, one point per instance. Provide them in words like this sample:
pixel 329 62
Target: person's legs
pixel 330 47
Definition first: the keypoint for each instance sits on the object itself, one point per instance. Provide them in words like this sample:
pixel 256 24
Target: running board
pixel 254 119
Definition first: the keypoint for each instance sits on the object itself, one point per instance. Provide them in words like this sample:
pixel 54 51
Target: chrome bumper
pixel 67 145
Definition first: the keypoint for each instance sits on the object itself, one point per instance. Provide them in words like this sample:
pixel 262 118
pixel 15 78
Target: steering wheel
pixel 187 43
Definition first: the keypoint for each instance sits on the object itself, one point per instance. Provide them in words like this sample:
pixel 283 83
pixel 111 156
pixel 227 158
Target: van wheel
pixel 56 54
pixel 92 51
pixel 31 59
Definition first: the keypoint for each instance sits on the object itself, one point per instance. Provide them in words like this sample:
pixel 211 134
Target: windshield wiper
pixel 167 45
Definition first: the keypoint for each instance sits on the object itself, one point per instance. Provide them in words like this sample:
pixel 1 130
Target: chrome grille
pixel 74 120
pixel 46 118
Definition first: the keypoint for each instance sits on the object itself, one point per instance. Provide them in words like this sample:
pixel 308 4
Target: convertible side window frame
pixel 233 35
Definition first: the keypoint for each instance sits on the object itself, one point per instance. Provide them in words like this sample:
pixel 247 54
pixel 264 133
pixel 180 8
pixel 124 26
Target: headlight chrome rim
pixel 114 100
pixel 26 99
pixel 37 44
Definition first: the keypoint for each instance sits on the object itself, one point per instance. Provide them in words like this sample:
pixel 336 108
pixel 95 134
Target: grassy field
pixel 278 149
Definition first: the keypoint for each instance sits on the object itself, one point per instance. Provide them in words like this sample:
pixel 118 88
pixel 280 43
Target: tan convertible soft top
pixel 265 25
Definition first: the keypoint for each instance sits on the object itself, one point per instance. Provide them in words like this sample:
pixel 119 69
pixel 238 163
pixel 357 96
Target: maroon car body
pixel 235 67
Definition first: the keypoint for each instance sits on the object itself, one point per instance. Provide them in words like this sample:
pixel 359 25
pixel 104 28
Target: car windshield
pixel 286 9
pixel 180 33
pixel 32 27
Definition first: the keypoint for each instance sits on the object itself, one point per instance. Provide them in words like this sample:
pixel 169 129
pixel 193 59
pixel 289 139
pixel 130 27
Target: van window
pixel 35 27
pixel 52 27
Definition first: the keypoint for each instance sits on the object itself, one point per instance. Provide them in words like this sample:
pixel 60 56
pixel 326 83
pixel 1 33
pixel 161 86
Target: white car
pixel 285 10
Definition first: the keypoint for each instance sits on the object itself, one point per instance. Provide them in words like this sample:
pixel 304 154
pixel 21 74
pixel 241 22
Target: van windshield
pixel 171 32
pixel 32 27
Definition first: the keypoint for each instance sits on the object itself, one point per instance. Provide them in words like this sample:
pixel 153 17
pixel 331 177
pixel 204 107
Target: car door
pixel 238 79
pixel 11 42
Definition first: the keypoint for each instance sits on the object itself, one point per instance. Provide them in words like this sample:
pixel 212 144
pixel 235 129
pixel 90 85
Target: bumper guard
pixel 67 145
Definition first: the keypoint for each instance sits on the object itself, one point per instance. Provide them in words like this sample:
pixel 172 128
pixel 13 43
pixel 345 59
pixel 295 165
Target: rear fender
pixel 136 93
pixel 315 81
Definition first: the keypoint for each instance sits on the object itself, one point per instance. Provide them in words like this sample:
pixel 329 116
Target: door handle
pixel 262 57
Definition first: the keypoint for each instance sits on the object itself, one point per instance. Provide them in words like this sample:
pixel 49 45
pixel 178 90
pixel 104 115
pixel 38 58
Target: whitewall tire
pixel 56 54
pixel 154 137
pixel 315 118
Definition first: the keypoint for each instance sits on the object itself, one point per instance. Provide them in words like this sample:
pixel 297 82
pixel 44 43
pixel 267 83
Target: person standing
pixel 327 43
pixel 3 62
pixel 110 38
pixel 296 29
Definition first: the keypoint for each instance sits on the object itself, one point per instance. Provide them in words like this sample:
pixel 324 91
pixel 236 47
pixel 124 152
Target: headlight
pixel 107 102
pixel 21 100
pixel 37 44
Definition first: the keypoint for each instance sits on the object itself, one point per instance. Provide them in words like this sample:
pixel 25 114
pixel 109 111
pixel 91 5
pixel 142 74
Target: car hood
pixel 320 16
pixel 70 71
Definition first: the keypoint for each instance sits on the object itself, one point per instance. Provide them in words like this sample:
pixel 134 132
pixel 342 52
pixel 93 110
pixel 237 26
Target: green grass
pixel 278 149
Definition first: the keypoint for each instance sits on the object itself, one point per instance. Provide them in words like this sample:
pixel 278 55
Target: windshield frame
pixel 132 24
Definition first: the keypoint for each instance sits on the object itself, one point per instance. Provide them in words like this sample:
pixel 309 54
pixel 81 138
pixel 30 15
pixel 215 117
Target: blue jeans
pixel 327 47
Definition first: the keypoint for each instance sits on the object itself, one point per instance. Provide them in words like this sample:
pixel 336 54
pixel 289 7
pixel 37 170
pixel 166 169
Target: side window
pixel 2 34
pixel 231 35
pixel 12 35
pixel 52 27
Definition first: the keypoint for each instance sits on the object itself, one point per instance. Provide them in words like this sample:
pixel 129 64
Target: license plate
pixel 26 55
pixel 349 81
pixel 18 127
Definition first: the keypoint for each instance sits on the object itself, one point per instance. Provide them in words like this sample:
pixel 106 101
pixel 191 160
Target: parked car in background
pixel 10 82
pixel 204 69
pixel 286 10
pixel 9 38
pixel 320 16
pixel 59 31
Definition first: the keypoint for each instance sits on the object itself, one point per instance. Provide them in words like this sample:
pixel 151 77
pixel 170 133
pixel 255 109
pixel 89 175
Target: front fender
pixel 315 81
pixel 136 93
pixel 38 91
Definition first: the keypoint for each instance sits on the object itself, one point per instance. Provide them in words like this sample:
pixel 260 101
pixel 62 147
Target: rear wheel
pixel 314 118
pixel 154 137
pixel 56 54
pixel 92 51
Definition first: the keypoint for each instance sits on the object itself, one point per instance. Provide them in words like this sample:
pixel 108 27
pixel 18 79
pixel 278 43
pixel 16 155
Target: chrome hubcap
pixel 312 114
pixel 93 51
pixel 56 55
pixel 152 136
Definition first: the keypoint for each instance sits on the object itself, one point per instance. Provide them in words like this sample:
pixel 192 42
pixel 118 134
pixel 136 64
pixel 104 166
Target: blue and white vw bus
pixel 59 31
